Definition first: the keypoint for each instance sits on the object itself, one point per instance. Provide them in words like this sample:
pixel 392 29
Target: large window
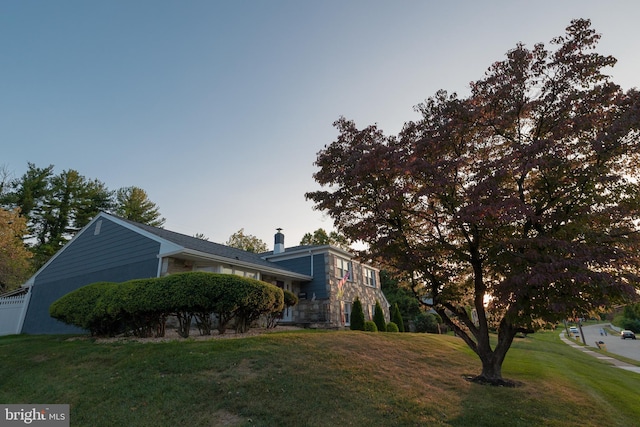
pixel 370 277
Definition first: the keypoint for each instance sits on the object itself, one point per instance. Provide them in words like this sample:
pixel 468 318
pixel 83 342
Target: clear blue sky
pixel 218 108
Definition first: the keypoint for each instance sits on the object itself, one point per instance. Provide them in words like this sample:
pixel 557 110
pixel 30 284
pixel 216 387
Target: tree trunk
pixel 491 370
pixel 492 359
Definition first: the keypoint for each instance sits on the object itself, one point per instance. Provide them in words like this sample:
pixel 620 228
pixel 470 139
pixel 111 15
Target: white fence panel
pixel 11 310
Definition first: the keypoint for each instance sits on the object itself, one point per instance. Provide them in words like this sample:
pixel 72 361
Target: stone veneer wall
pixel 328 312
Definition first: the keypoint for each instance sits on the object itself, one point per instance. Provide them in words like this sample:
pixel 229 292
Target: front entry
pixel 288 311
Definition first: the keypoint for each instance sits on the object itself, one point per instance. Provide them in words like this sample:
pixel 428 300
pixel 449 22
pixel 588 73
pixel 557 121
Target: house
pixel 325 278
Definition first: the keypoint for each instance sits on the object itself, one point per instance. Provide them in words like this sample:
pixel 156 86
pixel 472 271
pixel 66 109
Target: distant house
pixel 325 278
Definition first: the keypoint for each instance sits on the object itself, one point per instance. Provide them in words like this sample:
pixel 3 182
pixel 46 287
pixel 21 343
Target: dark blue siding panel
pixel 303 265
pixel 116 254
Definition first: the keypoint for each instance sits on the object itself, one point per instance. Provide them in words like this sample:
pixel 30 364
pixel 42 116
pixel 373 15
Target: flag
pixel 341 285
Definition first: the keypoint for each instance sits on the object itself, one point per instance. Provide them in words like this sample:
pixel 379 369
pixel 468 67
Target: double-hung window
pixel 343 269
pixel 370 277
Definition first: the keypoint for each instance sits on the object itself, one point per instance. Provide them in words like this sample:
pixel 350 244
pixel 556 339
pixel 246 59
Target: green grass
pixel 313 378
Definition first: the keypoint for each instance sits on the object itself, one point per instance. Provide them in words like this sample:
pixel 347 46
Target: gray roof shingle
pixel 189 242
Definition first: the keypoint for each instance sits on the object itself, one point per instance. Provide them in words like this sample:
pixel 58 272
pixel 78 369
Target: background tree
pixel 320 237
pixel 427 322
pixel 133 203
pixel 55 206
pixel 520 200
pixel 15 267
pixel 357 316
pixel 246 242
pixel 630 318
pixel 397 294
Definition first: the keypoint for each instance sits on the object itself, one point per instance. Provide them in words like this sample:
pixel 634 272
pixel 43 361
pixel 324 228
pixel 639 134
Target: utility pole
pixel 584 341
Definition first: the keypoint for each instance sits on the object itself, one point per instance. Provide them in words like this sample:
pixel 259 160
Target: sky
pixel 217 109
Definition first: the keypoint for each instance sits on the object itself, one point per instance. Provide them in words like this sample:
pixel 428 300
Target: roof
pixel 211 248
pixel 307 248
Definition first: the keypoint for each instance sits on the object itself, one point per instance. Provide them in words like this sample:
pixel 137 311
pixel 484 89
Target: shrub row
pixel 141 306
pixel 377 324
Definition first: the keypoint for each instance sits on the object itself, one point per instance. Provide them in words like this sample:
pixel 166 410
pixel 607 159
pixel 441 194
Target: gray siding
pixel 116 254
pixel 303 265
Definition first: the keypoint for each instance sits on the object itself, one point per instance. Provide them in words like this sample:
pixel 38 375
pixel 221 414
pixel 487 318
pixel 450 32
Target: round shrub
pixel 392 327
pixel 290 299
pixel 370 326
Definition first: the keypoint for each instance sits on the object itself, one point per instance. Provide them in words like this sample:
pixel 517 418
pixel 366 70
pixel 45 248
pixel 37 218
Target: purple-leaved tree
pixel 518 203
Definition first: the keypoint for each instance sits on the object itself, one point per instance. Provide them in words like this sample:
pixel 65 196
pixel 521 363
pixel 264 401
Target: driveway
pixel 627 348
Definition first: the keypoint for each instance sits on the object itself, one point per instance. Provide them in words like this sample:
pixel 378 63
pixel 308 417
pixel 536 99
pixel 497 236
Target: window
pixel 370 277
pixel 343 268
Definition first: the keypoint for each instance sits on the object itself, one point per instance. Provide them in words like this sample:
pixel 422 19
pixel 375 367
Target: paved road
pixel 627 348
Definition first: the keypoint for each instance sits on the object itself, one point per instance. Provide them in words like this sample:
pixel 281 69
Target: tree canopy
pixel 321 237
pixel 518 202
pixel 133 203
pixel 56 206
pixel 246 242
pixel 14 256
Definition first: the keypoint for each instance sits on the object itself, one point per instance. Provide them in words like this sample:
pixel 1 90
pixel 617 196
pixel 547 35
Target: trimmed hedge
pixel 82 308
pixel 141 306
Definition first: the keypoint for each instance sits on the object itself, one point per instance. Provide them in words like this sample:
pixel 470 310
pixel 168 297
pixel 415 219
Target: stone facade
pixel 334 312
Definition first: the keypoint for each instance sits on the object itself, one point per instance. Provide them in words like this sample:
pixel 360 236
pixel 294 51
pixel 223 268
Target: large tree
pixel 516 204
pixel 134 204
pixel 14 256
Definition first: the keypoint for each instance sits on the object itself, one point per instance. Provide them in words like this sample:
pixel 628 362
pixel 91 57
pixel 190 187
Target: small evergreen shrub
pixel 392 327
pixel 357 316
pixel 378 317
pixel 370 326
pixel 396 317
